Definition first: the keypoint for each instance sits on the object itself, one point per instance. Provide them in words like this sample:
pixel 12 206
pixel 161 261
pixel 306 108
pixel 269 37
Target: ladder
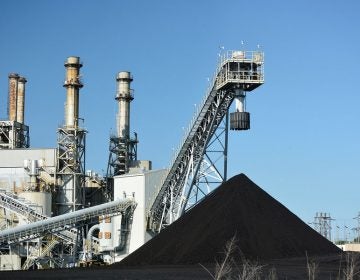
pixel 44 250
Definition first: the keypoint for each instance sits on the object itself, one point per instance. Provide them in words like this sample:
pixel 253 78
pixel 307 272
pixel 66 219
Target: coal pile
pixel 264 229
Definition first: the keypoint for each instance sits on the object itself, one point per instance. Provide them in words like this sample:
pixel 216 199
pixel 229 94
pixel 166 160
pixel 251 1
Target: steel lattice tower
pixel 322 224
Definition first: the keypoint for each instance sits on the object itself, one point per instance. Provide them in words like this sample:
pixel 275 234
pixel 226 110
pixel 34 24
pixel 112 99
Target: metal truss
pixel 71 168
pixel 71 151
pixel 123 151
pixel 42 250
pixel 14 135
pixel 192 170
pixel 322 224
pixel 185 169
pixel 211 171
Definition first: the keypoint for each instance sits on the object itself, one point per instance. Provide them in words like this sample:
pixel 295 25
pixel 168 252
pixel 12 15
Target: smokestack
pixel 123 96
pixel 13 88
pixel 72 85
pixel 20 104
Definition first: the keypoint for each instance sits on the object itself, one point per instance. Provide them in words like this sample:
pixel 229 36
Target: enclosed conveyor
pixel 63 222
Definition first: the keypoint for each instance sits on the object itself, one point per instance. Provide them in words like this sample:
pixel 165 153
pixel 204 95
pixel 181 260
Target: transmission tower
pixel 357 229
pixel 322 224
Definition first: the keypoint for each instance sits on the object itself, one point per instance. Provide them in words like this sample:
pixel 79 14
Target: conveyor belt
pixel 236 70
pixel 62 222
pixel 14 204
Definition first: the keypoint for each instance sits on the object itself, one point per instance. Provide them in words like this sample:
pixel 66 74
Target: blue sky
pixel 303 147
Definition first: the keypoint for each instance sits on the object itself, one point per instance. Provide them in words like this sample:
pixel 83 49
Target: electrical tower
pixel 357 229
pixel 322 224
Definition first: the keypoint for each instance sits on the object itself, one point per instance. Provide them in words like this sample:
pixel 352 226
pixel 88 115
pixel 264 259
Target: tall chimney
pixel 20 107
pixel 123 96
pixel 72 85
pixel 13 87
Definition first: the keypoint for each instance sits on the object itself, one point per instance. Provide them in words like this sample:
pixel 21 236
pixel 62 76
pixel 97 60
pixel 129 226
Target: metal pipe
pixel 126 224
pixel 123 96
pixel 240 100
pixel 33 173
pixel 88 242
pixel 91 231
pixel 13 88
pixel 72 84
pixel 20 107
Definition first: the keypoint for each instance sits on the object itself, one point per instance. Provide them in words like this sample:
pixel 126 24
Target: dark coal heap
pixel 264 230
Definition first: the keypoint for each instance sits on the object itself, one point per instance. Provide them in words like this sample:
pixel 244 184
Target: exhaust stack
pixel 13 88
pixel 124 96
pixel 20 104
pixel 123 149
pixel 14 134
pixel 72 85
pixel 71 145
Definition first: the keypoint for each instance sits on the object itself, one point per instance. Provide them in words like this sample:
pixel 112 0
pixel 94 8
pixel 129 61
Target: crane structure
pixel 238 72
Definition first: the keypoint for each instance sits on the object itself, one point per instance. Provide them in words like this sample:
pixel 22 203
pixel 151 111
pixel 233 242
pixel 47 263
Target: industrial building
pixel 55 213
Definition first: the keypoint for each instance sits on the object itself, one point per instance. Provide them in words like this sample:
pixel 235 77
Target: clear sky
pixel 303 146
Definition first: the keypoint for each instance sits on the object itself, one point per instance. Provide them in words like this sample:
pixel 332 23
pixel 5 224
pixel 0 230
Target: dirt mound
pixel 264 229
